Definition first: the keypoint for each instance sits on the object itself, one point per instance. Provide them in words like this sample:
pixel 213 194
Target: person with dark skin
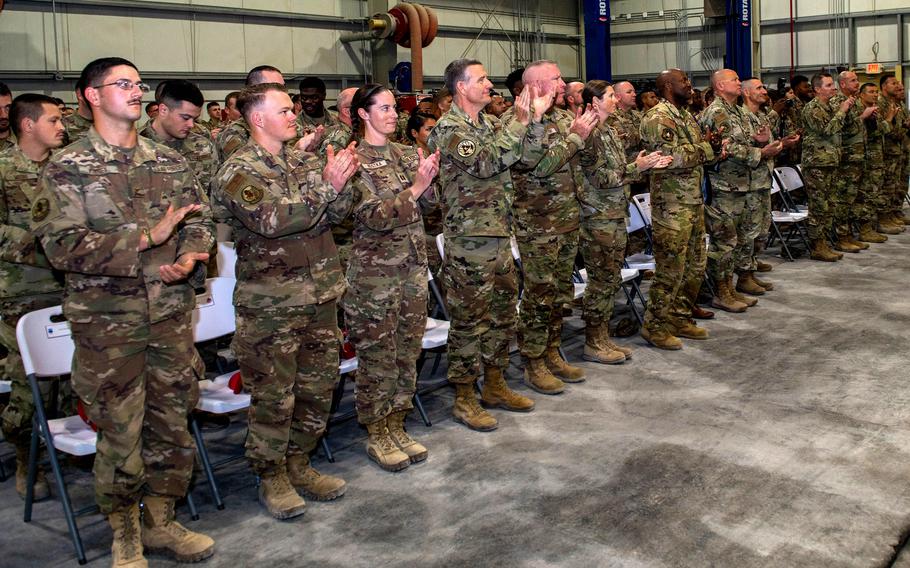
pixel 312 101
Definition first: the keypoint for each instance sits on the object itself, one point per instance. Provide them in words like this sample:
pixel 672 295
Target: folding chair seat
pixel 46 347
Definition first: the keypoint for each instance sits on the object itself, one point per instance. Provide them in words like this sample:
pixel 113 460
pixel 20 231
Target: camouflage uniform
pixel 76 128
pixel 677 214
pixel 762 180
pixel 604 197
pixel 871 197
pixel 198 150
pixel 338 135
pixel 307 123
pixel 791 122
pixel 135 367
pixel 386 301
pixel 476 191
pixel 235 135
pixel 735 203
pixel 821 150
pixel 627 125
pixel 8 142
pixel 288 279
pixel 546 217
pixel 27 282
pixel 894 187
pixel 849 177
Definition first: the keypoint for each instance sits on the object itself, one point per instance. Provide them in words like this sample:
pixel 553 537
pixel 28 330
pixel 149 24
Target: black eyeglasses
pixel 126 85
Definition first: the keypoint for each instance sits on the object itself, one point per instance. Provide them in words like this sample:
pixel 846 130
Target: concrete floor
pixel 782 441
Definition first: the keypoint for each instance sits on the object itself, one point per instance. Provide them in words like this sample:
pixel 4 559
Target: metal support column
pixel 597 40
pixel 384 52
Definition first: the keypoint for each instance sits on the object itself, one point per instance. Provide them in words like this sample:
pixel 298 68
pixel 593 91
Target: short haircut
pixel 416 122
pixel 28 105
pixel 176 91
pixel 150 105
pixel 229 96
pixel 534 65
pixel 97 70
pixel 251 97
pixel 514 77
pixel 295 98
pixel 255 76
pixel 312 83
pixel 80 86
pixel 818 78
pixel 212 104
pixel 798 80
pixel 842 76
pixel 594 89
pixel 58 101
pixel 4 90
pixel 441 94
pixel 885 78
pixel 455 72
pixel 865 86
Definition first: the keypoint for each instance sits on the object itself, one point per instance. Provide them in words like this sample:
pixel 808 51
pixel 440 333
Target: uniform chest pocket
pixel 103 211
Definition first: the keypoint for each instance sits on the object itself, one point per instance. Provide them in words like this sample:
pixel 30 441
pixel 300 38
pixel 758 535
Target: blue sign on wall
pixel 739 37
pixel 597 40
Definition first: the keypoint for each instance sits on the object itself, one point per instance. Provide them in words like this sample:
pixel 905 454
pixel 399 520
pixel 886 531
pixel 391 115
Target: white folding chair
pixel 792 221
pixel 789 179
pixel 227 260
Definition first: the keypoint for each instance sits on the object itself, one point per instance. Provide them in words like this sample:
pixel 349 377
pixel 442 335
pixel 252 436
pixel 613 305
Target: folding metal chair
pixel 792 221
pixel 227 260
pixel 46 347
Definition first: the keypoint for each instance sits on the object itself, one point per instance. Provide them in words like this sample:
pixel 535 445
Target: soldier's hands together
pixel 427 169
pixel 715 138
pixel 763 135
pixel 872 110
pixel 523 106
pixel 178 271
pixel 163 230
pixel 340 167
pixel 847 104
pixel 310 142
pixel 584 123
pixel 655 160
pixel 542 101
pixel 772 149
pixel 790 141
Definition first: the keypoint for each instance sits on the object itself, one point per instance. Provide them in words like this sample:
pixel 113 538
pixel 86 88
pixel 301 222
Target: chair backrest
pixel 775 187
pixel 788 177
pixel 45 342
pixel 227 259
pixel 635 221
pixel 441 245
pixel 214 313
pixel 643 202
pixel 516 254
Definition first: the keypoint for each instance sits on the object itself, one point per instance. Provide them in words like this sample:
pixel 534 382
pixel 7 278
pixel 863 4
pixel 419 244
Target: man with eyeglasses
pixel 127 221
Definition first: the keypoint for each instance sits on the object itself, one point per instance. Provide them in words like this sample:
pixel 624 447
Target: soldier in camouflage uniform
pixel 7 138
pixel 476 191
pixel 27 282
pixel 870 199
pixel 129 224
pixel 790 110
pixel 386 301
pixel 737 198
pixel 546 217
pixel 288 280
pixel 339 136
pixel 78 123
pixel 849 176
pixel 890 217
pixel 312 99
pixel 821 150
pixel 677 212
pixel 604 197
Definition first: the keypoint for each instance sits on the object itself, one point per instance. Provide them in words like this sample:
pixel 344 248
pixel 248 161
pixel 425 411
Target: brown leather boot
pixel 606 341
pixel 559 367
pixel 416 451
pixel 700 313
pixel 764 266
pixel 279 497
pixel 746 284
pixel 381 448
pixel 689 330
pixel 821 251
pixel 161 533
pixel 313 484
pixel 127 549
pixel 748 300
pixel 768 286
pixel 662 339
pixel 597 351
pixel 888 226
pixel 843 244
pixel 724 300
pixel 539 377
pixel 40 489
pixel 868 234
pixel 856 243
pixel 467 410
pixel 497 394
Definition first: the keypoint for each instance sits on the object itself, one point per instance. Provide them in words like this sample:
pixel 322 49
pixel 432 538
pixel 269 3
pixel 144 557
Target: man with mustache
pixel 7 139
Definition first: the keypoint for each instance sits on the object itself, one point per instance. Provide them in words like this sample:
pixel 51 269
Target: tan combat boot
pixel 887 226
pixel 856 243
pixel 746 284
pixel 558 366
pixel 539 377
pixel 40 489
pixel 724 300
pixel 662 339
pixel 127 546
pixel 314 485
pixel 416 451
pixel 868 234
pixel 843 244
pixel 764 266
pixel 468 411
pixel 821 251
pixel 279 497
pixel 689 330
pixel 749 301
pixel 767 285
pixel 497 394
pixel 597 351
pixel 162 534
pixel 381 448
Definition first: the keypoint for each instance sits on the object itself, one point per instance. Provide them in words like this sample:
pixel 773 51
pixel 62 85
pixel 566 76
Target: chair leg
pixel 326 450
pixel 206 463
pixel 32 471
pixel 562 353
pixel 191 505
pixel 631 300
pixel 783 242
pixel 420 410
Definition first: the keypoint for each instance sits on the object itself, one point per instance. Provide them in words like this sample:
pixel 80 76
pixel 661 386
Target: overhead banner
pixel 597 39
